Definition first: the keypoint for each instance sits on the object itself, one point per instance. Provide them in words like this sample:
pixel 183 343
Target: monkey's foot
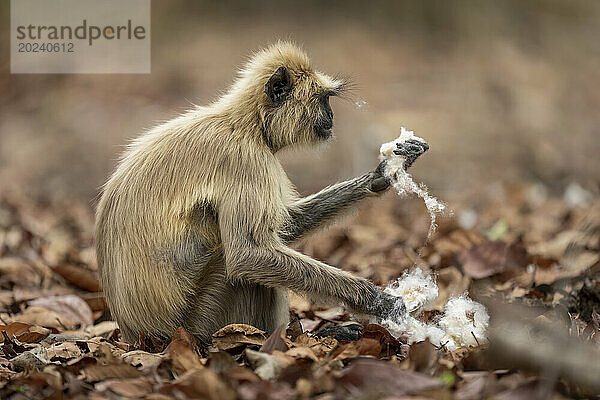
pixel 350 332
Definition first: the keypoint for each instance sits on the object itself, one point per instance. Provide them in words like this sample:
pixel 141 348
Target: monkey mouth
pixel 324 133
pixel 324 129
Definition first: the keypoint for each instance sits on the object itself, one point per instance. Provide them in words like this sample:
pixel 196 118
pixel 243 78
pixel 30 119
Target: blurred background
pixel 503 91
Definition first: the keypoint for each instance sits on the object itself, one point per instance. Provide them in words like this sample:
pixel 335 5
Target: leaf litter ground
pixel 533 261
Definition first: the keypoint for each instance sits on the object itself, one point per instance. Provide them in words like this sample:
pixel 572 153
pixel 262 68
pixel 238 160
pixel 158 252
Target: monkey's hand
pixel 379 182
pixel 387 306
pixel 411 150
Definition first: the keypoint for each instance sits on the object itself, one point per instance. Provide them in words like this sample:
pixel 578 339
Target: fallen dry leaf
pixel 64 350
pixel 78 276
pixel 70 306
pixel 96 373
pixel 492 258
pixel 181 358
pixel 24 333
pixel 276 341
pixel 266 391
pixel 238 335
pixel 128 388
pixel 264 365
pixel 45 317
pixel 200 383
pixel 16 271
pixel 362 347
pixel 143 360
pixel 88 359
pixel 383 379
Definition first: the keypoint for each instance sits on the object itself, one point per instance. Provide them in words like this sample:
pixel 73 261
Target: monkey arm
pixel 256 255
pixel 312 212
pixel 284 267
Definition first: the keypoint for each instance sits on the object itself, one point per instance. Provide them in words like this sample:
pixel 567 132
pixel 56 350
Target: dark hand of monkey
pixel 379 182
pixel 386 306
pixel 411 149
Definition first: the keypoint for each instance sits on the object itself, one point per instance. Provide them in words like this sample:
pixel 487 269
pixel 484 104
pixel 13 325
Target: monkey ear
pixel 279 86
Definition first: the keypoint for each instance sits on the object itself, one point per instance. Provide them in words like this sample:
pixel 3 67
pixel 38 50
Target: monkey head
pixel 293 105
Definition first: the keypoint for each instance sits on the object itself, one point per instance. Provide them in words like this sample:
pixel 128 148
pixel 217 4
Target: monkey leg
pixel 225 302
pixel 349 332
pixel 264 307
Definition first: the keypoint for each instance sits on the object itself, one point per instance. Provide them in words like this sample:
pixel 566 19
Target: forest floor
pixel 532 257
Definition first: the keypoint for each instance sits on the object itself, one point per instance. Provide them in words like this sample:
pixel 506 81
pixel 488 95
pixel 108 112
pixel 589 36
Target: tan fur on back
pixel 163 194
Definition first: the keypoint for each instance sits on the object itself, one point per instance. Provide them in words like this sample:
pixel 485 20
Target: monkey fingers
pixel 411 149
pixel 387 306
pixel 379 181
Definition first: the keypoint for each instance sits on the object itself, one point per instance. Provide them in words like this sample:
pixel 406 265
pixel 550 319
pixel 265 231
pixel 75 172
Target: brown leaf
pixel 182 353
pixel 266 390
pixel 32 358
pixel 104 329
pixel 25 333
pixel 16 271
pixel 277 341
pixel 182 358
pixel 64 351
pixel 220 361
pixel 183 336
pixel 455 242
pixel 95 300
pixel 240 374
pixel 362 347
pixel 200 383
pixel 389 344
pixel 79 277
pixel 422 356
pixel 96 373
pixel 302 353
pixel 381 378
pixel 264 365
pixel 68 306
pixel 129 388
pixel 491 258
pixel 294 328
pixel 44 317
pixel 238 335
pixel 142 360
pixel 319 347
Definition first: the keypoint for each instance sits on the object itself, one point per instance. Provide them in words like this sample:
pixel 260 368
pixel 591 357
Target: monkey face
pixel 300 112
pixel 324 123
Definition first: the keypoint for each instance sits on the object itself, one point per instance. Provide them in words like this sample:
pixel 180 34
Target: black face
pixel 324 123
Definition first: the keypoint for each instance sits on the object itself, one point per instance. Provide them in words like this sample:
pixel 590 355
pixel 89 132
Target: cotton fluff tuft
pixel 402 181
pixel 415 330
pixel 465 322
pixel 416 288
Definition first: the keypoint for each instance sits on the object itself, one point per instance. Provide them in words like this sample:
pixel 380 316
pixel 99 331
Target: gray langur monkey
pixel 194 226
